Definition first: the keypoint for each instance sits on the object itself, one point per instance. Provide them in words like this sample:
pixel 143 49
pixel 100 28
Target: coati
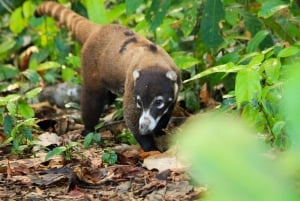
pixel 116 60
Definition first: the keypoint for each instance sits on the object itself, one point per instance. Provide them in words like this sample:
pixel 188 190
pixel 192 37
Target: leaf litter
pixel 137 175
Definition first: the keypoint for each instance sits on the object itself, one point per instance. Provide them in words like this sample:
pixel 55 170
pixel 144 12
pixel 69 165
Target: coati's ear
pixel 136 75
pixel 171 75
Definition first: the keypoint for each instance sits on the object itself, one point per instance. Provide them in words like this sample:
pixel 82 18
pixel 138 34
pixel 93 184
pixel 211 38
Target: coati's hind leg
pixel 92 105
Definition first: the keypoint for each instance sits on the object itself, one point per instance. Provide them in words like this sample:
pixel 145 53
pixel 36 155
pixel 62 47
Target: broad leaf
pixel 190 18
pixel 17 22
pixel 213 13
pixel 269 8
pixel 256 40
pixel 184 62
pixel 8 124
pixel 272 68
pixel 96 11
pixel 7 45
pixel 290 51
pixel 25 110
pixel 33 93
pixel 157 12
pixel 132 5
pixel 247 86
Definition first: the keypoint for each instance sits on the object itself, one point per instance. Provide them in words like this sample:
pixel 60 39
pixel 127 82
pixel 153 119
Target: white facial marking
pixel 138 102
pixel 136 75
pixel 147 123
pixel 171 75
pixel 158 102
pixel 175 90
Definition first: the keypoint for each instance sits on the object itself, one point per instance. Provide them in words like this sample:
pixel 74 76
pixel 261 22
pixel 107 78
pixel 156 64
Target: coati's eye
pixel 159 102
pixel 138 102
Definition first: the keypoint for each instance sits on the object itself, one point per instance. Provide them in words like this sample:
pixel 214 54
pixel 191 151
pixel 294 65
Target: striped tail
pixel 80 27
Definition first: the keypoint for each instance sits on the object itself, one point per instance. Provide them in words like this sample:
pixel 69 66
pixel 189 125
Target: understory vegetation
pixel 237 57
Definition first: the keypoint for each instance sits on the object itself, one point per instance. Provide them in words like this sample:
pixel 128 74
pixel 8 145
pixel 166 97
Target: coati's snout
pixel 155 94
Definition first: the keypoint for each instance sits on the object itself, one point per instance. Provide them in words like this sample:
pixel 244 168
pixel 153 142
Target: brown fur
pixel 110 54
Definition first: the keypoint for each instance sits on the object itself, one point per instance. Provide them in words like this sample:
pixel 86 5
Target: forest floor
pixel 136 175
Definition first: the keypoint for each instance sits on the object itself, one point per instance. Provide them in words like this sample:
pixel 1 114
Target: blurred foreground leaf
pixel 233 162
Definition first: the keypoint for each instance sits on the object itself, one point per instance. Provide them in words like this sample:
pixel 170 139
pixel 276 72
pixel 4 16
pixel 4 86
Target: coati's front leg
pixel 93 102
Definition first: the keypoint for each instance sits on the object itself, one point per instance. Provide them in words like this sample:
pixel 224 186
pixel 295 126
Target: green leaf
pixel 17 22
pixel 191 101
pixel 48 65
pixel 132 5
pixel 157 12
pixel 11 107
pixel 28 133
pixel 184 62
pixel 256 40
pixel 68 74
pixel 190 18
pixel 247 86
pixel 272 68
pixel 213 13
pixel 28 9
pixel 32 75
pixel 33 92
pixel 116 12
pixel 12 98
pixel 8 72
pixel 25 110
pixel 88 140
pixel 55 151
pixel 96 11
pixel 278 128
pixel 289 51
pixel 269 8
pixel 225 68
pixel 8 124
pixel 7 45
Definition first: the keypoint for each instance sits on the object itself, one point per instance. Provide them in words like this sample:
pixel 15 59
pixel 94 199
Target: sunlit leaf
pixel 48 65
pixel 17 22
pixel 68 74
pixel 184 62
pixel 247 86
pixel 225 68
pixel 289 51
pixel 272 68
pixel 33 93
pixel 96 11
pixel 269 8
pixel 25 110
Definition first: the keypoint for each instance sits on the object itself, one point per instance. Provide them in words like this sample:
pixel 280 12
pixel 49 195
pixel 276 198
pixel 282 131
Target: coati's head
pixel 155 92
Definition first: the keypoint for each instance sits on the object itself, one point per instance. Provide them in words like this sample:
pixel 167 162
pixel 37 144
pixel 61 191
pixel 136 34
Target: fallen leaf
pixel 164 161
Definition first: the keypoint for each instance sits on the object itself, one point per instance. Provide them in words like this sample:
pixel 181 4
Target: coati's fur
pixel 119 61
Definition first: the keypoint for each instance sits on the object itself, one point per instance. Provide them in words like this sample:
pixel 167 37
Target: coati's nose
pixel 146 125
